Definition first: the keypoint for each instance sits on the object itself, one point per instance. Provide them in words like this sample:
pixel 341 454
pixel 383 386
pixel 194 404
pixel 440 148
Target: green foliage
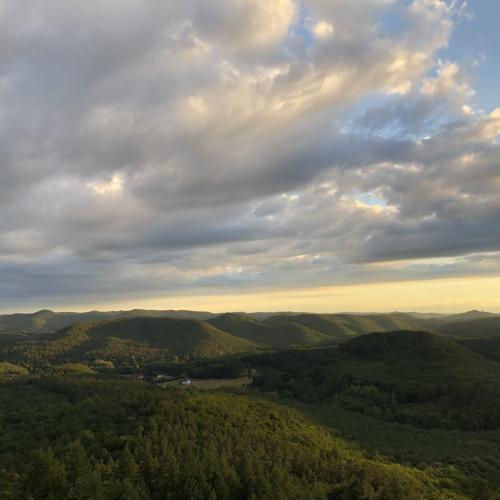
pixel 126 342
pixel 407 377
pixel 153 338
pixel 102 365
pixel 71 369
pixel 344 326
pixel 10 370
pixel 488 346
pixel 284 334
pixel 110 439
pixel 47 321
pixel 482 327
pixel 470 460
pixel 426 409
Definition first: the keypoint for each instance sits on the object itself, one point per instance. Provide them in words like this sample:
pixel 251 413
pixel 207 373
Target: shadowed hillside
pixel 487 346
pixel 267 334
pixel 484 327
pixel 144 339
pixel 412 358
pixel 344 326
pixel 410 377
pixel 336 325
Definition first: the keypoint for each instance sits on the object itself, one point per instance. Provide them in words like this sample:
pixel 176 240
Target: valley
pixel 370 394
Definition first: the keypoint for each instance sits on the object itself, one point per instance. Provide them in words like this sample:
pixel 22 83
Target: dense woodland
pixel 389 415
pixel 107 438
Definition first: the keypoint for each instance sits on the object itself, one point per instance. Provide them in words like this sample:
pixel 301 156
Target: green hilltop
pixel 410 377
pixel 145 339
pixel 411 359
pixel 153 337
pixel 138 338
pixel 390 414
pixel 343 326
pixel 268 334
pixel 303 328
pixel 46 320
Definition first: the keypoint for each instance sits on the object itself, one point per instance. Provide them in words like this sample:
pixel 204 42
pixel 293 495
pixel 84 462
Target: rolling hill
pixel 47 321
pixel 338 326
pixel 469 316
pixel 154 339
pixel 267 334
pixel 145 339
pixel 151 443
pixel 409 377
pixel 483 327
pixel 344 326
pixel 285 330
pixel 425 384
pixel 153 336
pixel 487 346
pixel 411 359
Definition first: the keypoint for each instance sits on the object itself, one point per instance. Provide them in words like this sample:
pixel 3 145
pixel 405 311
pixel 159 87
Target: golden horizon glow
pixel 449 295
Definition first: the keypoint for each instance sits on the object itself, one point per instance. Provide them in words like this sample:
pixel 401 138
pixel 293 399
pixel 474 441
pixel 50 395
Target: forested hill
pixel 416 378
pixel 153 339
pixel 483 327
pixel 425 406
pixel 140 340
pixel 345 326
pixel 469 316
pixel 285 330
pixel 46 320
pixel 330 324
pixel 268 334
pixel 150 337
pixel 148 443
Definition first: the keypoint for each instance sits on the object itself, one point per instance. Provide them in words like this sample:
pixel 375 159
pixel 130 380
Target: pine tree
pixel 45 478
pixel 127 465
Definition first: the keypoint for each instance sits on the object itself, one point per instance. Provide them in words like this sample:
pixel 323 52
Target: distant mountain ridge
pixel 481 327
pixel 46 320
pixel 150 336
pixel 343 326
pixel 470 315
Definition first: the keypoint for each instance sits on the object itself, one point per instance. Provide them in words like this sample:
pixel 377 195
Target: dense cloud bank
pixel 188 145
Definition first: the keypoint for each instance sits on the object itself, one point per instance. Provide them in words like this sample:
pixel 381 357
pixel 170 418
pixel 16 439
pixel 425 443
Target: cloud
pixel 323 29
pixel 160 147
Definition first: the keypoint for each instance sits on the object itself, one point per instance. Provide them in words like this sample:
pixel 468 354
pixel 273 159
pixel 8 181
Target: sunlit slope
pixel 344 326
pixel 46 320
pixel 147 339
pixel 153 444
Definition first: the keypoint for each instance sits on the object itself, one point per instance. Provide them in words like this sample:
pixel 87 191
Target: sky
pixel 310 155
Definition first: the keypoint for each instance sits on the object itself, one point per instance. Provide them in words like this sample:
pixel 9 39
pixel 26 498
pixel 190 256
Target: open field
pixel 211 384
